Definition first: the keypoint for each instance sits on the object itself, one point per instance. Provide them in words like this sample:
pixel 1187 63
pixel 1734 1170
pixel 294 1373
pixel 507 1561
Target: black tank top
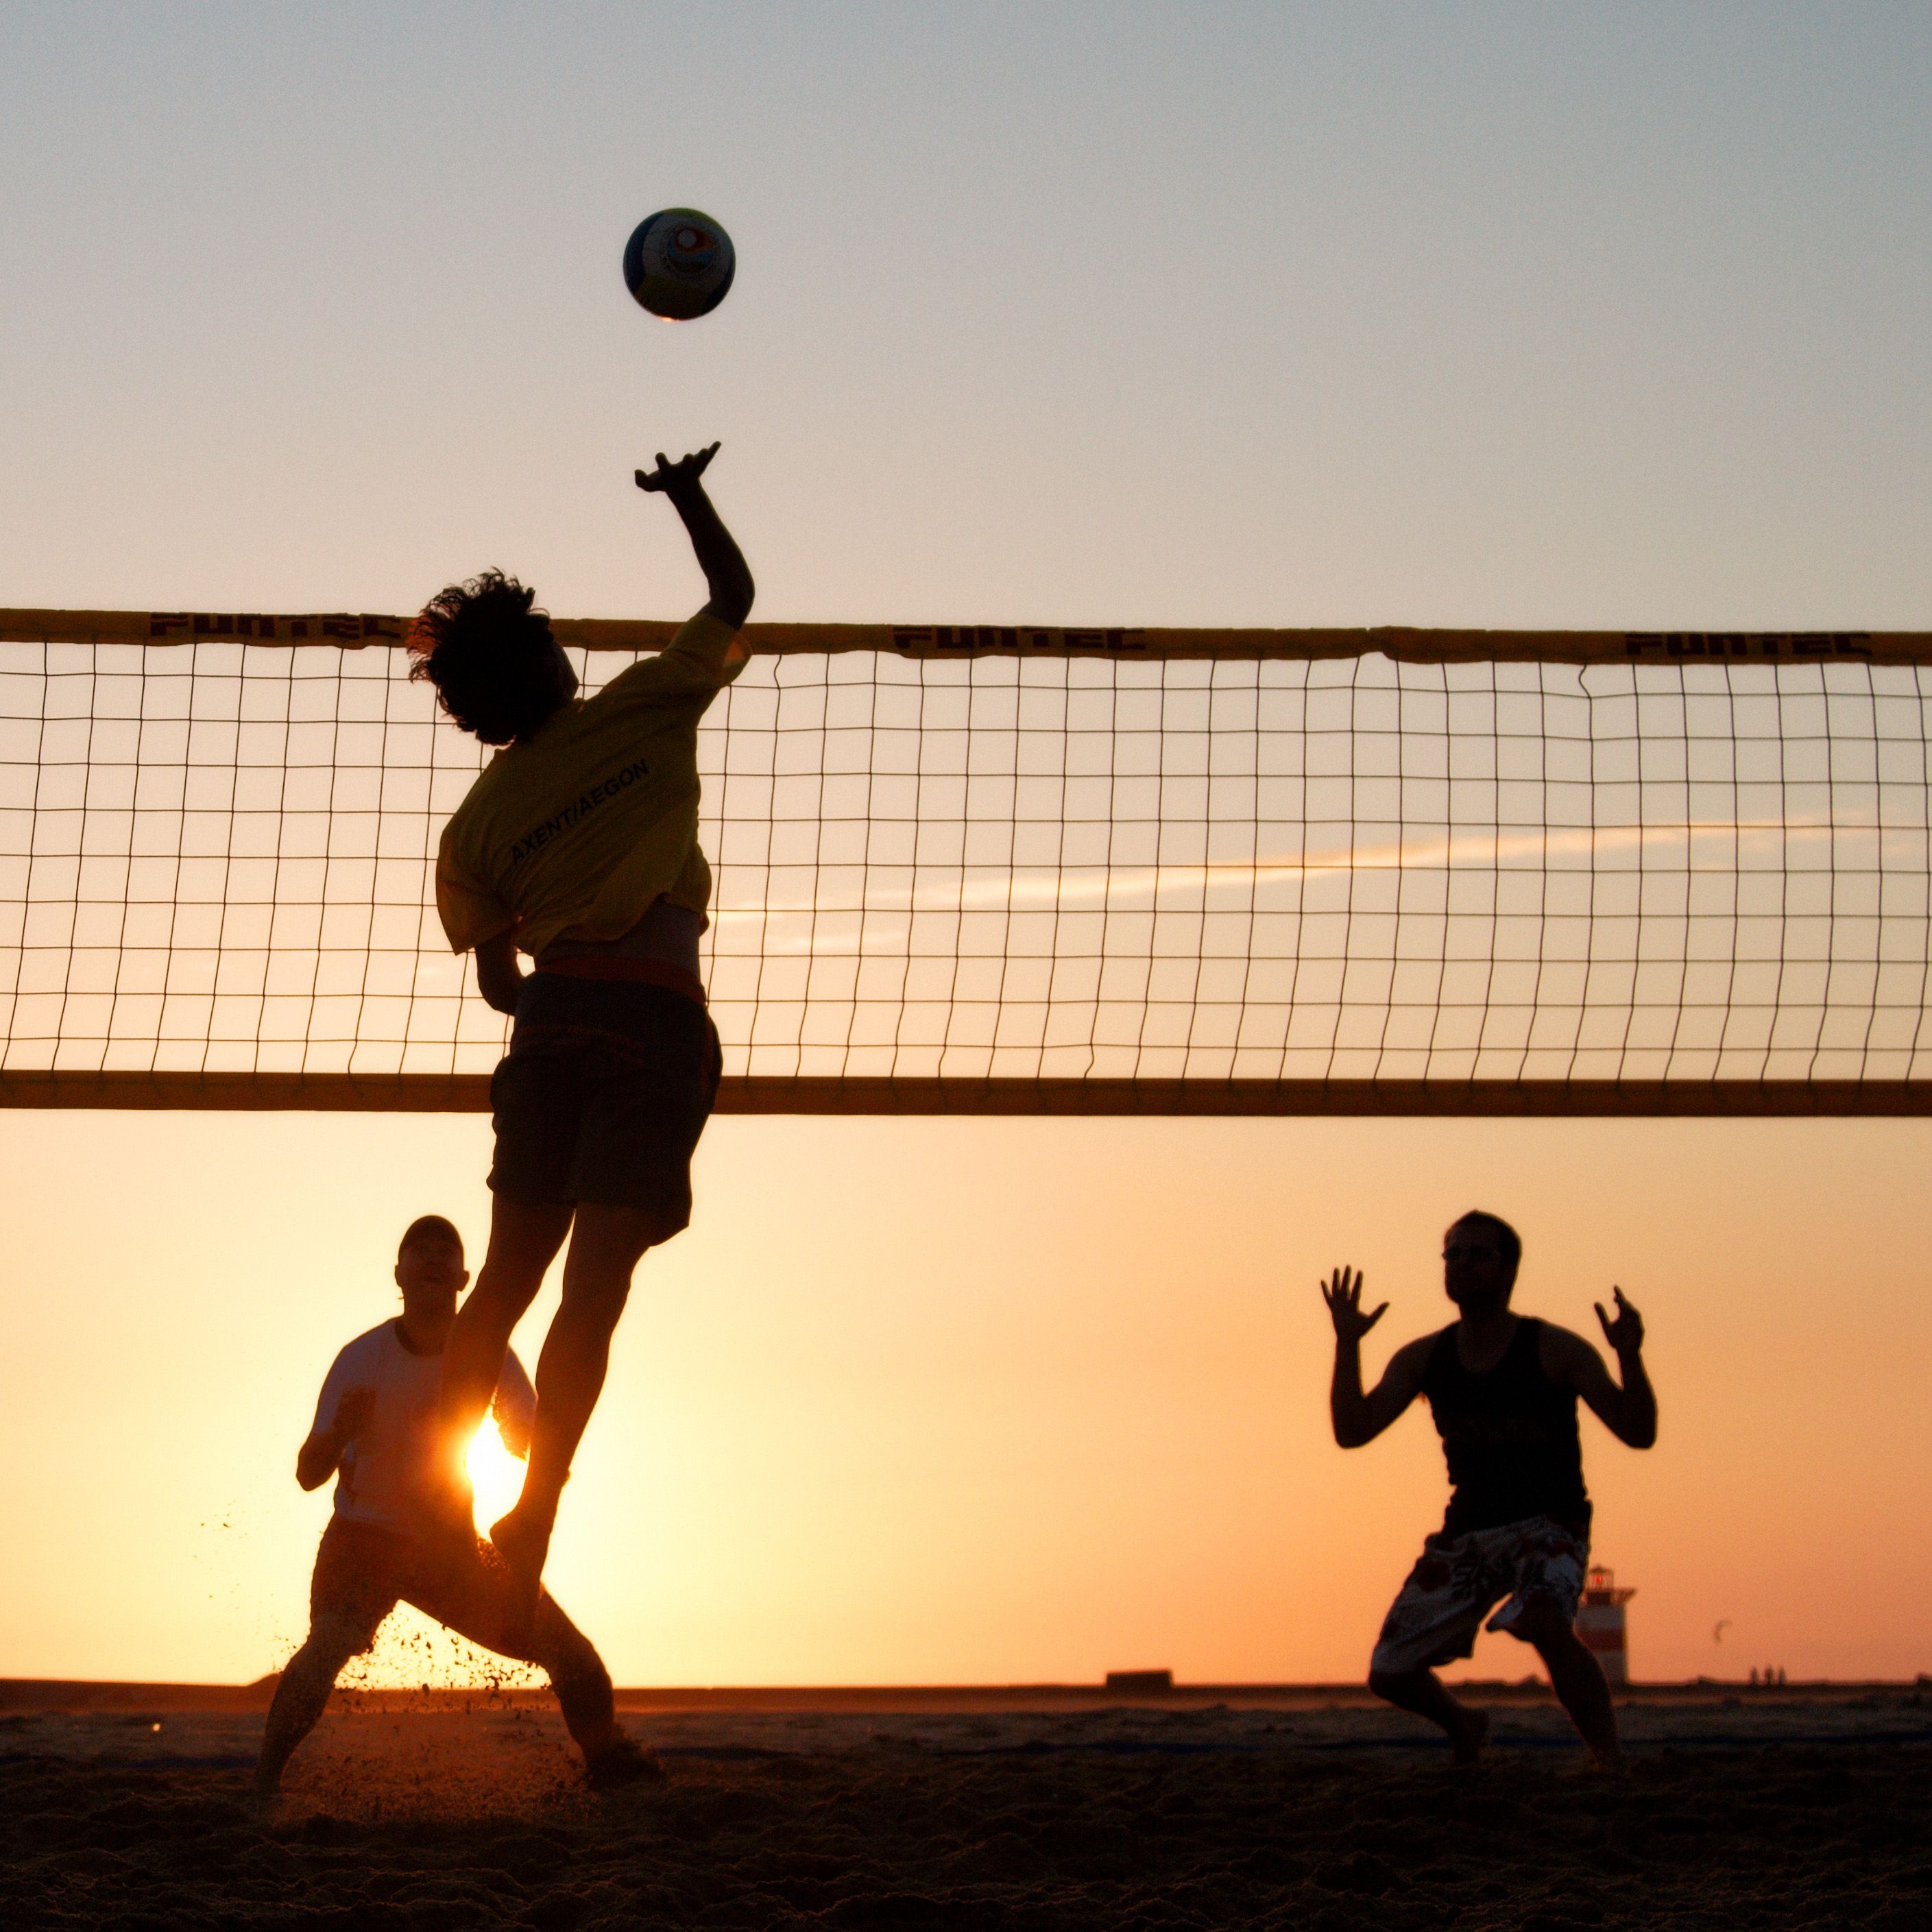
pixel 1510 1437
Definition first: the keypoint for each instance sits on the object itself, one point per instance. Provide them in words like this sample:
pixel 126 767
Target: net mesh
pixel 216 860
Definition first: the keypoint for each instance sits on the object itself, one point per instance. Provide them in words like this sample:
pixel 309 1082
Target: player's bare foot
pixel 522 1540
pixel 1467 1740
pixel 622 1761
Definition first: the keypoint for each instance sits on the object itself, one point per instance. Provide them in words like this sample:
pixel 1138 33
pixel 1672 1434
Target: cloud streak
pixel 958 887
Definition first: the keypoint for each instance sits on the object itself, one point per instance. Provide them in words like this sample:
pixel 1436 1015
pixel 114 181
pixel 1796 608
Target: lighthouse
pixel 1599 1622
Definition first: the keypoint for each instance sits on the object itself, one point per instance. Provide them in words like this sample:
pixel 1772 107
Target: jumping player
pixel 378 1431
pixel 578 845
pixel 1503 1389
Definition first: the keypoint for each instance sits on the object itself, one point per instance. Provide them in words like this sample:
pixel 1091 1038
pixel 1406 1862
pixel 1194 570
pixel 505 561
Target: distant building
pixel 1599 1622
pixel 1140 1680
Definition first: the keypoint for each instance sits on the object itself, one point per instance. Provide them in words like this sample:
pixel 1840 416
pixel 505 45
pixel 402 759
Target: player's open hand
pixel 671 477
pixel 1625 1333
pixel 1342 1291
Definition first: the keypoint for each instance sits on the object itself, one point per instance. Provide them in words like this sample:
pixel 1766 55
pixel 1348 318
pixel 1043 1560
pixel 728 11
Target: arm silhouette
pixel 1360 1418
pixel 1629 1413
pixel 498 977
pixel 726 572
pixel 319 1457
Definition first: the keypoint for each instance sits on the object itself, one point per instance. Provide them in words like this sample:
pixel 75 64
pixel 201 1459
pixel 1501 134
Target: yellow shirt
pixel 580 828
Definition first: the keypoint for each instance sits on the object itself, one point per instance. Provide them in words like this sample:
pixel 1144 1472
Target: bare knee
pixel 595 1311
pixel 604 1251
pixel 572 1659
pixel 606 1245
pixel 561 1650
pixel 1542 1624
pixel 330 1642
pixel 1395 1687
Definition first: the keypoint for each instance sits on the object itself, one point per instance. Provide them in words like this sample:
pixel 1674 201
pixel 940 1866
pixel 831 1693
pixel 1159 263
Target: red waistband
pixel 636 968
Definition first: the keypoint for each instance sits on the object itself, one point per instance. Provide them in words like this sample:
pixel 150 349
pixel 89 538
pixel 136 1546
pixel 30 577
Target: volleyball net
pixel 1016 869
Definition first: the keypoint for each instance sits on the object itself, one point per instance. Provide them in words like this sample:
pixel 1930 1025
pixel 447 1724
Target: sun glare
pixel 496 1475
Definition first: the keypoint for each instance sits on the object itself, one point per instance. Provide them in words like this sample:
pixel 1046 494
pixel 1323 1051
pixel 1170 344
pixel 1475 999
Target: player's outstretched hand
pixel 1625 1333
pixel 671 477
pixel 1342 1291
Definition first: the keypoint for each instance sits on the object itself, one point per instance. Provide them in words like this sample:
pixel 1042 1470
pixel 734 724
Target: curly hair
pixel 490 657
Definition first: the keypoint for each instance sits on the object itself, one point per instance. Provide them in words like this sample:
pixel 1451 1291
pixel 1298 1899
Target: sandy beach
pixel 973 1810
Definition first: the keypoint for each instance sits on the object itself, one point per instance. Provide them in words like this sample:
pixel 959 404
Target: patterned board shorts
pixel 1456 1580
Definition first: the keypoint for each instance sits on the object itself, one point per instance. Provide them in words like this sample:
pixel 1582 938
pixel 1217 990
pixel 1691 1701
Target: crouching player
pixel 378 1431
pixel 1503 1388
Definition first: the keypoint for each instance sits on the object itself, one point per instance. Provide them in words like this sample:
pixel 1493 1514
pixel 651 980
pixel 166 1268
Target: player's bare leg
pixel 1422 1691
pixel 605 1246
pixel 302 1695
pixel 1576 1677
pixel 583 1688
pixel 524 1238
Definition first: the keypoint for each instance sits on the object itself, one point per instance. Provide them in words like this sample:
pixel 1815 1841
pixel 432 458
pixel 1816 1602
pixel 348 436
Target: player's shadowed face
pixel 431 1275
pixel 564 671
pixel 1475 1275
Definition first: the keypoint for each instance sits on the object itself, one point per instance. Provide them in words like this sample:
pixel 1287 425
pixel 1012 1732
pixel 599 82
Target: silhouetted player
pixel 1503 1388
pixel 379 1431
pixel 578 845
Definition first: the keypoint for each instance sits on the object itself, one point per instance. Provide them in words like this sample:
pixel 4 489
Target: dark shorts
pixel 602 1097
pixel 361 1573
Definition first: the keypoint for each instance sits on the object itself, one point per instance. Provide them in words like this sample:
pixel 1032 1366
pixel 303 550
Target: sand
pixel 1741 1812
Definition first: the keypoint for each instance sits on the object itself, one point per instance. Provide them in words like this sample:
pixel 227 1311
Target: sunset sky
pixel 1441 315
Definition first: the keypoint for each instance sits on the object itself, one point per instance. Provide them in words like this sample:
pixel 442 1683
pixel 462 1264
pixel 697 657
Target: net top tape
pixel 356 630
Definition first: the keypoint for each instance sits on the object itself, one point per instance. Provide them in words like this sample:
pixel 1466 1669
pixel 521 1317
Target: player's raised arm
pixel 1629 1413
pixel 725 570
pixel 1360 1418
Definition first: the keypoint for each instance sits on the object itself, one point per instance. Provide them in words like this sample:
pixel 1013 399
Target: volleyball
pixel 679 264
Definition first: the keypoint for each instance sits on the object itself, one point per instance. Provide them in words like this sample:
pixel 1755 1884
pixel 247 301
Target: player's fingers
pixel 1377 1316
